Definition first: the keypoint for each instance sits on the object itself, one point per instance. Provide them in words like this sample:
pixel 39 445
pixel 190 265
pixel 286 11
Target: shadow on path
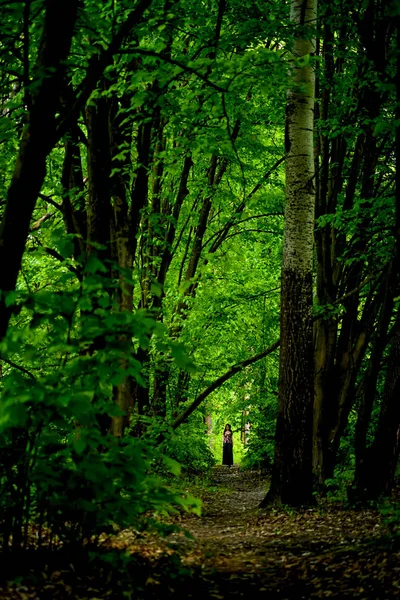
pixel 323 552
pixel 233 550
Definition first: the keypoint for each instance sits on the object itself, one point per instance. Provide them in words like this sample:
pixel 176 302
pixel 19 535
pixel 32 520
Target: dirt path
pixel 323 552
pixel 235 551
pixel 227 533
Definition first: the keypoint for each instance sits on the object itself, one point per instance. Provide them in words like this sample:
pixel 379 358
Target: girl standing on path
pixel 227 446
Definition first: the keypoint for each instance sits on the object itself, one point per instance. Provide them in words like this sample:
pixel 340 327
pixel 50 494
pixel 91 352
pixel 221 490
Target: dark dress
pixel 227 454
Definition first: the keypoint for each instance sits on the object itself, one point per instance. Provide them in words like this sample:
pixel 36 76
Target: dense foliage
pixel 142 198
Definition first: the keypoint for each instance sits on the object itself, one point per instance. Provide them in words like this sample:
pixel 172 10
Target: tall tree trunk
pixel 292 471
pixel 376 464
pixel 99 169
pixel 339 351
pixel 36 143
pixel 72 184
pixel 122 255
pixel 325 330
pixel 99 210
pixel 375 475
pixel 371 377
pixel 139 195
pixel 162 370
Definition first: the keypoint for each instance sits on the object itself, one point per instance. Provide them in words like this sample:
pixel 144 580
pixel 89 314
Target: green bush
pixel 73 483
pixel 189 446
pixel 61 475
pixel 260 447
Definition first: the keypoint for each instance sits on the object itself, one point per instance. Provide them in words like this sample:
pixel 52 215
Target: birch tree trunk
pixel 292 471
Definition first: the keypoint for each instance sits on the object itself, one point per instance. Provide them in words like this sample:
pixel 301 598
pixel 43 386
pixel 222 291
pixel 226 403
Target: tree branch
pixel 15 366
pixel 39 222
pixel 178 63
pixel 269 231
pixel 221 235
pixel 272 214
pixel 60 257
pixel 50 200
pixel 26 78
pixel 218 382
pixel 356 289
pixel 97 64
pixel 265 176
pixel 245 363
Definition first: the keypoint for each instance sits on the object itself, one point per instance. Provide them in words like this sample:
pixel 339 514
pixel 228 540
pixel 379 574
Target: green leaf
pixel 10 298
pixel 80 444
pixel 172 465
pixel 156 289
pixel 94 265
pixel 180 357
pixel 380 127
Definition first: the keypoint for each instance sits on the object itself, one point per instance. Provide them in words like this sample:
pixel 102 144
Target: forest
pixel 199 225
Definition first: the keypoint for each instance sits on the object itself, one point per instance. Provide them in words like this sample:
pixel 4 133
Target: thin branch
pixel 26 76
pixel 246 299
pixel 225 237
pixel 221 235
pixel 218 25
pixel 28 286
pixel 183 228
pixel 50 200
pixel 263 215
pixel 15 366
pixel 269 231
pixel 356 289
pixel 218 382
pixel 185 255
pixel 178 63
pixel 233 142
pixel 37 225
pixel 265 177
pixel 60 257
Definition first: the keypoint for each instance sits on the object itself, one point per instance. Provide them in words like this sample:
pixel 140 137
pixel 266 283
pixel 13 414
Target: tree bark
pixel 45 129
pixel 375 475
pixel 99 169
pixel 376 464
pixel 122 255
pixel 291 481
pixel 36 143
pixel 72 183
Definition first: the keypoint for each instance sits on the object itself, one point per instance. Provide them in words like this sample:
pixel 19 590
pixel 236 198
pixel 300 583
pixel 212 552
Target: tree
pixel 37 141
pixel 355 276
pixel 144 222
pixel 148 138
pixel 46 124
pixel 376 461
pixel 143 124
pixel 292 471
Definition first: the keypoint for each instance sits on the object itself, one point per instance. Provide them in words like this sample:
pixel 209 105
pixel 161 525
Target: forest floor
pixel 234 550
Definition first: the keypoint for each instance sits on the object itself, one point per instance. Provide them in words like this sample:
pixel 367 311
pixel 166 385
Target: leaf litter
pixel 235 550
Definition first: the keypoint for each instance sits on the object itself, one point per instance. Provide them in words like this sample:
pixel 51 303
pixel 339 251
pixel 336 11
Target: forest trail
pixel 227 533
pixel 327 551
pixel 234 550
